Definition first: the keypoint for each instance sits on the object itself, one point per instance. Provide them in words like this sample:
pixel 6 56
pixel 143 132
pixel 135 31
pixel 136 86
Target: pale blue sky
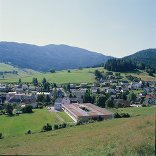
pixel 111 27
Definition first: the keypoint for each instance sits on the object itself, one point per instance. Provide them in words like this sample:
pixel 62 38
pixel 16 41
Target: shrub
pixel 64 125
pixel 124 115
pixel 47 127
pixel 56 126
pixel 1 136
pixel 28 132
pixel 79 122
pixel 99 118
pixel 27 109
pixel 91 121
pixel 121 115
pixel 117 115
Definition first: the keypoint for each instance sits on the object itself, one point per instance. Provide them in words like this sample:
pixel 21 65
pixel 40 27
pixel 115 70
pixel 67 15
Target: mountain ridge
pixel 51 56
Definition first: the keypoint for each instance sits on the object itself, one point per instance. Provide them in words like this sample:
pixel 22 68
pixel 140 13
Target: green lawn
pixel 65 117
pixel 135 111
pixel 18 125
pixel 125 136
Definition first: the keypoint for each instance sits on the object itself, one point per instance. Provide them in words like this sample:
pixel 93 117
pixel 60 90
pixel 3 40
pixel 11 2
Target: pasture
pixel 74 76
pixel 20 124
pixel 125 136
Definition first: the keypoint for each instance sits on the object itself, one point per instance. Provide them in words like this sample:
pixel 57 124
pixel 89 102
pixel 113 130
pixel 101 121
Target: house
pixel 94 90
pixel 106 83
pixel 112 91
pixel 96 84
pixel 44 93
pixel 124 102
pixel 113 81
pixel 30 102
pixel 104 89
pixel 124 83
pixel 118 88
pixel 76 100
pixel 85 111
pixel 72 86
pixel 110 77
pixel 125 90
pixel 24 87
pixel 78 92
pixel 3 88
pixel 16 86
pixel 19 91
pixel 83 84
pixel 134 105
pixel 58 106
pixel 32 88
pixel 151 98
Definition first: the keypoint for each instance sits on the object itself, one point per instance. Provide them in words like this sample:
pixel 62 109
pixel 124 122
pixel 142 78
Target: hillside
pixel 44 58
pixel 126 136
pixel 147 56
pixel 75 76
pixel 9 71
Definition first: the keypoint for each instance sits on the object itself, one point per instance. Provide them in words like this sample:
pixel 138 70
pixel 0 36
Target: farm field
pixel 75 76
pixel 125 136
pixel 18 125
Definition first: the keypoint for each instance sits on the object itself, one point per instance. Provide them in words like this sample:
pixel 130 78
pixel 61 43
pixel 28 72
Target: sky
pixel 111 27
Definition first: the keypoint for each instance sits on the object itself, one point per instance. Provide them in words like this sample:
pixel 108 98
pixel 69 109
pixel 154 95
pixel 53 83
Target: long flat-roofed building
pixel 85 111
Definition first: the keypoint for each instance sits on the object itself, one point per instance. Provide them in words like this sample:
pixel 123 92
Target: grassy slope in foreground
pixel 75 76
pixel 131 136
pixel 18 125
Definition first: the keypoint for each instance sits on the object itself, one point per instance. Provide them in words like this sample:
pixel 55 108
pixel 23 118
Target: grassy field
pixel 127 136
pixel 65 117
pixel 18 125
pixel 75 76
pixel 21 72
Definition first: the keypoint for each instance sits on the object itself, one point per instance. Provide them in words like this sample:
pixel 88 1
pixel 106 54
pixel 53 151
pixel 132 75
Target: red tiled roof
pixel 98 109
pixel 150 97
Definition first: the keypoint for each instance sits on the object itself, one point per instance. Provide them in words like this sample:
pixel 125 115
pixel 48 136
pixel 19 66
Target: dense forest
pixel 123 65
pixel 143 60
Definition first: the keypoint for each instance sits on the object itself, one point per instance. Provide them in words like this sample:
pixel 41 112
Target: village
pixel 80 101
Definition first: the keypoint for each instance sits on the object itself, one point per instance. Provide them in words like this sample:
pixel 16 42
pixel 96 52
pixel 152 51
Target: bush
pixel 56 126
pixel 47 127
pixel 28 132
pixel 64 125
pixel 79 122
pixel 121 115
pixel 27 109
pixel 124 115
pixel 1 136
pixel 116 115
pixel 91 121
pixel 99 118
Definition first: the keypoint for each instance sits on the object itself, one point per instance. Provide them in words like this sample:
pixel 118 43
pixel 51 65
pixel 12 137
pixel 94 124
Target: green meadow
pixel 21 72
pixel 75 76
pixel 20 124
pixel 125 136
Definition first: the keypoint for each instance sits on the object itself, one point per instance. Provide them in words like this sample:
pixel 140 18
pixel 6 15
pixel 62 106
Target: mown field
pixel 127 136
pixel 75 76
pixel 20 124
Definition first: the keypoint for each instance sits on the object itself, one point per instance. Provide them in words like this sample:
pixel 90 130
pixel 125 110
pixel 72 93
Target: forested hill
pixel 144 60
pixel 44 58
pixel 147 56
